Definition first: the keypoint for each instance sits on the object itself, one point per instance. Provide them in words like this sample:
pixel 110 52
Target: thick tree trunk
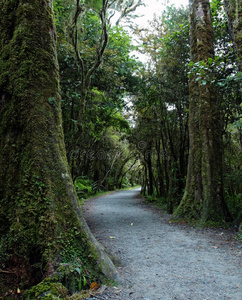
pixel 233 10
pixel 39 216
pixel 203 198
pixel 234 13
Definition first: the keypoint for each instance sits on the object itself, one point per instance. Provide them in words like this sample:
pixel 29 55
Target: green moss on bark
pixel 37 197
pixel 234 13
pixel 203 198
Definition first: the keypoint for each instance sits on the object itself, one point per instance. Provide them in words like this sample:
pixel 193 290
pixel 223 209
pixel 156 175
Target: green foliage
pixel 61 9
pixel 208 72
pixel 162 107
pixel 105 108
pixel 73 277
pixel 158 201
pixel 84 187
pixel 234 201
pixel 239 237
pixel 96 4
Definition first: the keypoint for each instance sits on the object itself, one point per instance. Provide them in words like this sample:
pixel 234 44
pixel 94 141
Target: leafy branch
pixel 130 7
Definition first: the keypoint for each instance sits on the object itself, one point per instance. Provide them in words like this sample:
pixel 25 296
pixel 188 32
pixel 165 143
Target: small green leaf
pixel 80 284
pixel 84 281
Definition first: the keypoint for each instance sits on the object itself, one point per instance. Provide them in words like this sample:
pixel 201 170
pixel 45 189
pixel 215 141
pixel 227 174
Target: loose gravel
pixel 159 260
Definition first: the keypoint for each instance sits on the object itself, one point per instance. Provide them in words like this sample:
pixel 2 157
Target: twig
pixel 8 272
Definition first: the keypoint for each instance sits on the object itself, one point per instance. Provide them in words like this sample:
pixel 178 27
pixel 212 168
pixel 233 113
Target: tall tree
pixel 234 12
pixel 203 198
pixel 162 104
pixel 39 214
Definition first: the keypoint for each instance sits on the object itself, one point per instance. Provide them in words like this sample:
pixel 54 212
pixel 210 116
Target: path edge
pixel 104 261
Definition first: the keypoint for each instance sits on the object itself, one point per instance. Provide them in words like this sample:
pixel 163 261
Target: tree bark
pixel 39 216
pixel 203 199
pixel 148 160
pixel 233 10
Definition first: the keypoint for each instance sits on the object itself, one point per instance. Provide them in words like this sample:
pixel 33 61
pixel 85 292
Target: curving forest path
pixel 159 260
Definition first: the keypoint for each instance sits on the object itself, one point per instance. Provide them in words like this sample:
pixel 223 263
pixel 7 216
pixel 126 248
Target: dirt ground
pixel 161 260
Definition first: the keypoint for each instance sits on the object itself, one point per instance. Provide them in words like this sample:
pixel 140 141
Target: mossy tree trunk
pixel 35 183
pixel 234 13
pixel 40 218
pixel 233 10
pixel 203 199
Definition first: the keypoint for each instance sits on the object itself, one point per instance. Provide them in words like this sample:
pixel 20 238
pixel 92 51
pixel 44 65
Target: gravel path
pixel 160 260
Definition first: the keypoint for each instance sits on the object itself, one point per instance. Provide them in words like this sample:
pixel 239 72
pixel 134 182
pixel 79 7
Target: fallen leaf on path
pixel 94 286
